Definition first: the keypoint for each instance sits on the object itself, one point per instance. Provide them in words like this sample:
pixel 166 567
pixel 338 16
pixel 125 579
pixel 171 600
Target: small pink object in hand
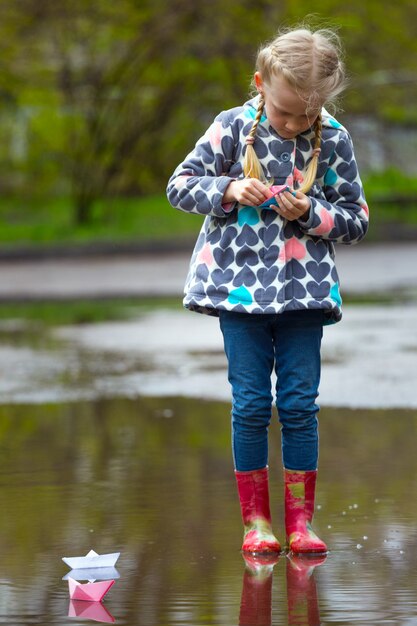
pixel 274 190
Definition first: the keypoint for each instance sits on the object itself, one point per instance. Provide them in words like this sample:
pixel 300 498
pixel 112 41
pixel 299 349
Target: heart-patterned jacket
pixel 250 259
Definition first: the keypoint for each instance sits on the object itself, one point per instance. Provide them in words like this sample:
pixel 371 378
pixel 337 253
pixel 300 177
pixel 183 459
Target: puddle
pixel 153 478
pixel 114 435
pixel 368 360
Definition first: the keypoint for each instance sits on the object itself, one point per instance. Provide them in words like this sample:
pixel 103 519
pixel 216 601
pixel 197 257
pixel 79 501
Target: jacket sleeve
pixel 339 212
pixel 199 182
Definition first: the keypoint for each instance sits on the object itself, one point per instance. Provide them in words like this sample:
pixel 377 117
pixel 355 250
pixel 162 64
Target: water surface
pixel 153 478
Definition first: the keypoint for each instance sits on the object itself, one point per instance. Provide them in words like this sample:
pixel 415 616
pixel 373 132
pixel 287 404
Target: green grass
pixel 392 197
pixel 36 222
pixel 390 181
pixel 51 221
pixel 51 313
pixel 58 313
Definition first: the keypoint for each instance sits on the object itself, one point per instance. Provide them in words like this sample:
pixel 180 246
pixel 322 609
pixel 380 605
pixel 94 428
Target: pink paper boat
pixel 89 592
pixel 90 610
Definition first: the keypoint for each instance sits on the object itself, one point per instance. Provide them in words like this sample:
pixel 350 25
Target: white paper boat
pixel 91 560
pixel 89 592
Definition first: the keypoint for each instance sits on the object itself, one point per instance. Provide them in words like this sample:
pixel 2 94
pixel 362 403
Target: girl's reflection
pixel 255 605
pixel 302 601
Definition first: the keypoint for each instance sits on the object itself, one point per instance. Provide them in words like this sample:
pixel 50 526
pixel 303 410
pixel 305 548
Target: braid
pixel 251 165
pixel 311 172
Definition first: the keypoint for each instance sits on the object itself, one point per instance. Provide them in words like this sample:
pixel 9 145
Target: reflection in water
pixel 154 479
pixel 303 606
pixel 302 600
pixel 92 573
pixel 94 611
pixel 256 600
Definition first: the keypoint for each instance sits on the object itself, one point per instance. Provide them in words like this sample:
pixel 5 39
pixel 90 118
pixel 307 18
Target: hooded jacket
pixel 250 259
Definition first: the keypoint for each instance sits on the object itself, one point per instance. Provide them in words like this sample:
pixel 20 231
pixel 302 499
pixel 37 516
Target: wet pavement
pixel 364 269
pixel 369 359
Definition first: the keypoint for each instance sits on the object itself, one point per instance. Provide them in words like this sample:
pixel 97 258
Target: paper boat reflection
pixel 91 560
pixel 89 592
pixel 90 610
pixel 92 573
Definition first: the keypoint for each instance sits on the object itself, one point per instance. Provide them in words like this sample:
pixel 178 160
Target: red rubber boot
pixel 299 509
pixel 254 504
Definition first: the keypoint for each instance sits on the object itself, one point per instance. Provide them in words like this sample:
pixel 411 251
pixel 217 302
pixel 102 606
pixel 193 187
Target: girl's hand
pixel 293 207
pixel 247 191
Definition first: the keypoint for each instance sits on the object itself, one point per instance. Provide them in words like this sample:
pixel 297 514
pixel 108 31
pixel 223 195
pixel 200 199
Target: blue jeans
pixel 254 345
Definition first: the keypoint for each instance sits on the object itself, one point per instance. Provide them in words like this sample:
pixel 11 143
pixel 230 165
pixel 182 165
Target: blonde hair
pixel 311 63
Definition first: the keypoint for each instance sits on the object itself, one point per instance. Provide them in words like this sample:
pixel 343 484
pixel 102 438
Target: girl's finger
pixel 288 196
pixel 282 200
pixel 254 199
pixel 262 190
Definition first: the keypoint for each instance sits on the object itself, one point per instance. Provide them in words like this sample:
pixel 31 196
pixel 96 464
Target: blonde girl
pixel 278 184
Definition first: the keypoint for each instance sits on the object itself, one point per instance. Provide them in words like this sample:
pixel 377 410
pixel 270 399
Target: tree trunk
pixel 83 206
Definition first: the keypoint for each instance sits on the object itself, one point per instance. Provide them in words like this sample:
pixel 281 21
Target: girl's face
pixel 285 109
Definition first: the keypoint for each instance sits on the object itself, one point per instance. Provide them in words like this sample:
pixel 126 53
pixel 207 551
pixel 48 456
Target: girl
pixel 277 181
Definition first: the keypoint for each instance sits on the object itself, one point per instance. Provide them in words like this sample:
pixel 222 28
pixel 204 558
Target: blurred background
pixel 100 100
pixel 114 402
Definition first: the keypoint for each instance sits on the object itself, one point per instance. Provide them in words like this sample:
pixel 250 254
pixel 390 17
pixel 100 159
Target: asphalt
pixel 369 360
pixel 364 269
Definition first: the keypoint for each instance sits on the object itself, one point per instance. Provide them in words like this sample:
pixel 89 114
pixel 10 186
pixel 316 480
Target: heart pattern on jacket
pixel 249 259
